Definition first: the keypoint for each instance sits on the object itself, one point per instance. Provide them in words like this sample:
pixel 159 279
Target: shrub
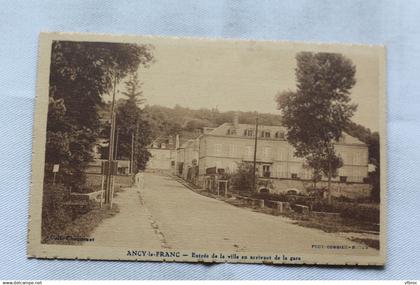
pixel 55 214
pixel 242 179
pixel 361 212
pixel 343 199
pixel 358 200
pixel 322 206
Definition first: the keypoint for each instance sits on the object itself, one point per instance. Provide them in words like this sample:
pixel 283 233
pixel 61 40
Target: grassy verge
pixel 66 220
pixel 93 182
pixel 373 243
pixel 83 226
pixel 330 225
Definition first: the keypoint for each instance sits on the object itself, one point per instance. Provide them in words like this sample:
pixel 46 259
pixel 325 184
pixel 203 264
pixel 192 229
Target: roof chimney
pixel 236 120
pixel 170 142
pixel 177 141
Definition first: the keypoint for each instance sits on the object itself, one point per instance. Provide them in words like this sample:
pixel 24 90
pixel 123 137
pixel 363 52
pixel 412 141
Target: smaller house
pixel 163 152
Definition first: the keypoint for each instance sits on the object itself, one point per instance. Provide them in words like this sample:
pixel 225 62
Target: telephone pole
pixel 254 180
pixel 132 154
pixel 116 143
pixel 109 174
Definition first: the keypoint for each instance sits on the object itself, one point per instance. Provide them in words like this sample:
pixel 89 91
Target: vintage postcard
pixel 203 150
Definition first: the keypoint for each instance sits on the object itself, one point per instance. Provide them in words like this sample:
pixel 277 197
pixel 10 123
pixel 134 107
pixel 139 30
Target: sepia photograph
pixel 208 150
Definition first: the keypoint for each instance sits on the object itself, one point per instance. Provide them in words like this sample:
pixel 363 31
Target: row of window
pixel 355 157
pixel 266 152
pixel 233 150
pixel 267 171
pixel 349 157
pixel 262 133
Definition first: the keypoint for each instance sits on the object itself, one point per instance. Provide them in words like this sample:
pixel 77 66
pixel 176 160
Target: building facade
pixel 163 155
pixel 232 143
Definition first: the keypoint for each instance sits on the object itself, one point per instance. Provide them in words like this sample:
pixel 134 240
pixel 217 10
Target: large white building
pixel 221 149
pixel 229 144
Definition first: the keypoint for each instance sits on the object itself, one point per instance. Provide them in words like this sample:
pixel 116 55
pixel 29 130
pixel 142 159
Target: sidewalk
pixel 131 227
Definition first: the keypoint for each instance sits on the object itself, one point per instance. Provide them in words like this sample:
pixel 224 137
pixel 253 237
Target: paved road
pixel 189 221
pixel 167 215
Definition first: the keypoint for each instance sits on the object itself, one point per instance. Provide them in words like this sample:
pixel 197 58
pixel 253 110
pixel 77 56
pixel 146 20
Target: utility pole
pixel 254 180
pixel 132 153
pixel 136 136
pixel 116 143
pixel 109 174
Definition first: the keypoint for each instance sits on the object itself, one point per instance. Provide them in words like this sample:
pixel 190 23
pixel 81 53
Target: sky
pixel 246 75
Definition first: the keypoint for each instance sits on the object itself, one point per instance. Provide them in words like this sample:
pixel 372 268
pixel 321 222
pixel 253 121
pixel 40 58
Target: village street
pixel 167 214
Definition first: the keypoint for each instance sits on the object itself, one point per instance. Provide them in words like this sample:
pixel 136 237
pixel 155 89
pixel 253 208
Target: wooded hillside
pixel 170 121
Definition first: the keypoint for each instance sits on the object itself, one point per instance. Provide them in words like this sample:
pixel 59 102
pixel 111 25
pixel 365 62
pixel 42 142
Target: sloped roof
pixel 222 130
pixel 348 139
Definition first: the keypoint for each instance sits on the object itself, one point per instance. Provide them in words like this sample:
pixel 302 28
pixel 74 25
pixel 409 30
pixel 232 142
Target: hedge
pixel 56 214
pixel 361 212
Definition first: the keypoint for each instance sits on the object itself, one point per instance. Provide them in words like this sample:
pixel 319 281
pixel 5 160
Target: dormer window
pixel 265 134
pixel 249 133
pixel 279 135
pixel 231 132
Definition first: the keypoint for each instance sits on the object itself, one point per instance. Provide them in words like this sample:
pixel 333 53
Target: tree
pixel 242 178
pixel 315 165
pixel 133 90
pixel 133 128
pixel 194 124
pixel 374 158
pixel 320 164
pixel 372 140
pixel 316 114
pixel 161 121
pixel 80 74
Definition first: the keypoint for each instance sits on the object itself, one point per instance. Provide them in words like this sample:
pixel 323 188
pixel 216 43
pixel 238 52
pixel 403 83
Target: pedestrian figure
pixel 139 178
